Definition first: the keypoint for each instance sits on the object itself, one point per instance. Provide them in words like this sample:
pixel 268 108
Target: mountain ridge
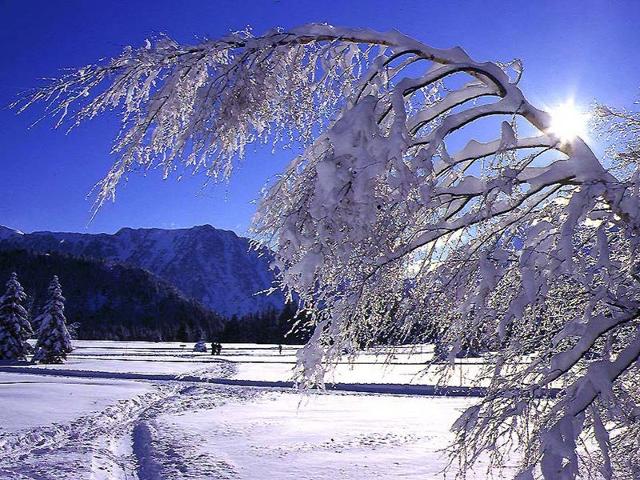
pixel 216 267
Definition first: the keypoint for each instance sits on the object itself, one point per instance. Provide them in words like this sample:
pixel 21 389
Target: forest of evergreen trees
pixel 117 302
pixel 270 326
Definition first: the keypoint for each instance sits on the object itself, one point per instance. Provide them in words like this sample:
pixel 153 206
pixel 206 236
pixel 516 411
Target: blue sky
pixel 585 49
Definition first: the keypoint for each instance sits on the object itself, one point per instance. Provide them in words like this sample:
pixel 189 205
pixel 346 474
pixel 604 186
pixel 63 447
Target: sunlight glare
pixel 568 121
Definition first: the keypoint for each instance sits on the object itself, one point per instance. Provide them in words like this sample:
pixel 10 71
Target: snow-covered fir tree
pixel 54 341
pixel 200 346
pixel 15 328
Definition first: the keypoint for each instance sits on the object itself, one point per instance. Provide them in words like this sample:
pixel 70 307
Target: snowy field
pixel 152 411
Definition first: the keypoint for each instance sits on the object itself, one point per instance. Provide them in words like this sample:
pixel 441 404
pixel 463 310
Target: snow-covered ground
pixel 147 411
pixel 28 401
pixel 259 362
pixel 278 435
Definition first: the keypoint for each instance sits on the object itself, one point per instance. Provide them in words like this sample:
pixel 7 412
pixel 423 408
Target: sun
pixel 568 121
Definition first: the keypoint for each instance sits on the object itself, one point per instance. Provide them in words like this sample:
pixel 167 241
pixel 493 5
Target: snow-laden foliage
pixel 15 328
pixel 621 129
pixel 200 346
pixel 400 219
pixel 54 341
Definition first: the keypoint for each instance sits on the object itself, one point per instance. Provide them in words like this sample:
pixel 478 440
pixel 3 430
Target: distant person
pixel 219 348
pixel 280 349
pixel 213 348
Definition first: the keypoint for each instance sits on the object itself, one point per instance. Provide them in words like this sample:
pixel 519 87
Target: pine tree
pixel 54 341
pixel 15 328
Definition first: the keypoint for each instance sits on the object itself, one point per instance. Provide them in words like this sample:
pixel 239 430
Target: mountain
pixel 8 233
pixel 111 301
pixel 215 267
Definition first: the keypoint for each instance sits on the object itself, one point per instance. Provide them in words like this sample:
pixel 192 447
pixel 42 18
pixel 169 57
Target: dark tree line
pixel 110 301
pixel 271 326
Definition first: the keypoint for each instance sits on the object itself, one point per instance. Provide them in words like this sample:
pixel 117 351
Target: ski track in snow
pixel 166 454
pixel 221 377
pixel 172 432
pixel 62 451
pixel 169 455
pixel 120 442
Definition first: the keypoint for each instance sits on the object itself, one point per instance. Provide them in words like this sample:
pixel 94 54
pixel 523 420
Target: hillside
pixel 214 267
pixel 111 301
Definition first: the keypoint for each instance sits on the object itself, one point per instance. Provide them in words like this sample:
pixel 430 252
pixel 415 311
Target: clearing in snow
pixel 151 411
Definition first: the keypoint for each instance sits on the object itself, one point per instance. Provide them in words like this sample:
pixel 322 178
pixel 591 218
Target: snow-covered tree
pixel 15 328
pixel 200 346
pixel 54 341
pixel 399 215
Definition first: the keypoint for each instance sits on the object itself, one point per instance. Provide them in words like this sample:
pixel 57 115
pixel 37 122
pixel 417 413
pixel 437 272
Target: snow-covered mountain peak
pixel 6 232
pixel 215 267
